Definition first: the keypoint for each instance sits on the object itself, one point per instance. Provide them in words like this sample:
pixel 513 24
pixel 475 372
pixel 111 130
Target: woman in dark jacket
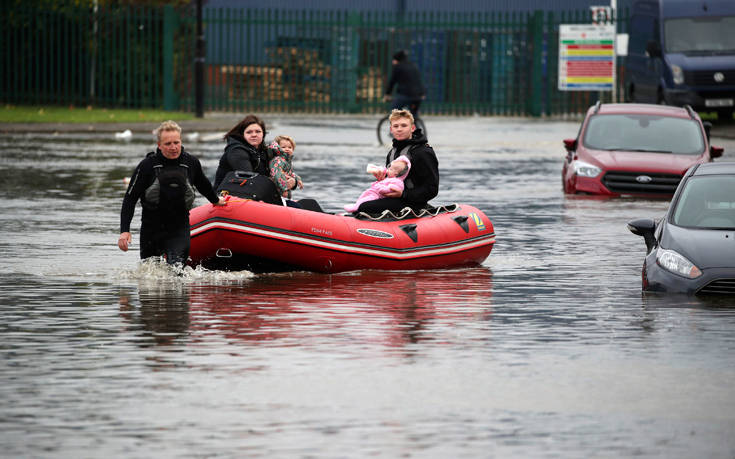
pixel 245 149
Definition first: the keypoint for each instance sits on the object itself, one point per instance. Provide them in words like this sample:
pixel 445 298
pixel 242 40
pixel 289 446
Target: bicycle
pixel 383 130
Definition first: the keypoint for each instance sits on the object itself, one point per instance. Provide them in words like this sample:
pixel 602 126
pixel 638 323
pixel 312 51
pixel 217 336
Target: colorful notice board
pixel 586 57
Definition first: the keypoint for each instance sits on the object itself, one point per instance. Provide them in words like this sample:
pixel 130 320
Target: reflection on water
pixel 653 300
pixel 163 312
pixel 297 308
pixel 547 350
pixel 301 308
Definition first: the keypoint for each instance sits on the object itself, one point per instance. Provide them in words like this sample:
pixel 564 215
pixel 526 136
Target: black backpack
pixel 250 185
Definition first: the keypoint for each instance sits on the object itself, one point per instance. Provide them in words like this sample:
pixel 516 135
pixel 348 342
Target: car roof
pixel 642 109
pixel 719 168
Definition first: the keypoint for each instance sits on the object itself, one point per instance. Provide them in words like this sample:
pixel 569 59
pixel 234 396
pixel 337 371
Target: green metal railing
pixel 340 62
pixel 80 56
pixel 486 63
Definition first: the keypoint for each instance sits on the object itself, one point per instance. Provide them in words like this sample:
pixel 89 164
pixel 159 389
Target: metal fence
pixel 80 56
pixel 486 63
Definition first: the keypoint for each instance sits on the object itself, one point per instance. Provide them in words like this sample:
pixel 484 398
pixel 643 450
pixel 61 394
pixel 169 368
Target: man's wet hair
pixel 166 126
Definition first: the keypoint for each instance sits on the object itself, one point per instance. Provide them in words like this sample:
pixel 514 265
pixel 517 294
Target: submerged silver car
pixel 692 249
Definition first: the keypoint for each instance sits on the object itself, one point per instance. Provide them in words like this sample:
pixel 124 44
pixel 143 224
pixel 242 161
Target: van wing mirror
pixel 570 144
pixel 653 49
pixel 716 152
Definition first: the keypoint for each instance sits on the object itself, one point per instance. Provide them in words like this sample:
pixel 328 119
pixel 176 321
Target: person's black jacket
pixel 407 79
pixel 422 181
pixel 241 156
pixel 143 177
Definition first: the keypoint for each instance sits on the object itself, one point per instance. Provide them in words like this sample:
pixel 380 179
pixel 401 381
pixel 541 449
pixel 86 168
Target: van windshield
pixel 644 133
pixel 698 35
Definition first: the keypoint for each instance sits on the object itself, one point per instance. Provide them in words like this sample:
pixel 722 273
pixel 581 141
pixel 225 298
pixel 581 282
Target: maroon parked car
pixel 635 149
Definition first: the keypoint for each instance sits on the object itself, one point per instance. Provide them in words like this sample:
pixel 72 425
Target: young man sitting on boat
pixel 422 182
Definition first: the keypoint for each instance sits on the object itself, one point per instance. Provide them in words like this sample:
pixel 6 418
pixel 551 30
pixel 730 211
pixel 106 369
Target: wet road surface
pixel 548 349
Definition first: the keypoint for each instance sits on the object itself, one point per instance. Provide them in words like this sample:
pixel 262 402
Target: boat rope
pixel 408 212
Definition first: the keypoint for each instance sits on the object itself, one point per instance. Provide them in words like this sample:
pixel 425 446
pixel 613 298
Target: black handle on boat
pixel 462 222
pixel 410 230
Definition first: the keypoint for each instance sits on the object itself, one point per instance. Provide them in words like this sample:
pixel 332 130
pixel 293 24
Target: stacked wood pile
pixel 370 85
pixel 305 77
pixel 254 81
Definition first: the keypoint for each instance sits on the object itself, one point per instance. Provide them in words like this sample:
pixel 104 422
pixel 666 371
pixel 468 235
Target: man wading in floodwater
pixel 163 182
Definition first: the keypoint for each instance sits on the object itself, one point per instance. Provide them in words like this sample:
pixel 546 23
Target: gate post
pixel 353 25
pixel 536 26
pixel 169 23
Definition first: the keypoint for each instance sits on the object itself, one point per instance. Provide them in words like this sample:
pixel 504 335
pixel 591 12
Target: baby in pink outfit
pixel 395 174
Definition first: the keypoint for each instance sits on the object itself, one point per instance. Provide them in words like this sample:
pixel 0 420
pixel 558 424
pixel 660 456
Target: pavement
pixel 221 122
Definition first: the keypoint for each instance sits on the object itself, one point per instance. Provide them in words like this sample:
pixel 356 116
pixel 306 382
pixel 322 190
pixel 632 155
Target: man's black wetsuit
pixel 164 228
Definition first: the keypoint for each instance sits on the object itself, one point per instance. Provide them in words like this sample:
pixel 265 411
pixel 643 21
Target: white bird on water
pixel 127 134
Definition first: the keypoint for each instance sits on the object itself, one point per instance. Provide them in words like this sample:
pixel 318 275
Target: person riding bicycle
pixel 405 77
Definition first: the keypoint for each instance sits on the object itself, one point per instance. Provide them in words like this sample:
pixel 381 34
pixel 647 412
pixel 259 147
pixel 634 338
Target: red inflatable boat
pixel 252 235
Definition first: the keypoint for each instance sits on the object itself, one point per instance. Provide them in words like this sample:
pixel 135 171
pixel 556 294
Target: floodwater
pixel 548 349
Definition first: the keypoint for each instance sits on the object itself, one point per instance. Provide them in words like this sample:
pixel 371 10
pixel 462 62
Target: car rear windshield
pixel 700 35
pixel 707 201
pixel 647 133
